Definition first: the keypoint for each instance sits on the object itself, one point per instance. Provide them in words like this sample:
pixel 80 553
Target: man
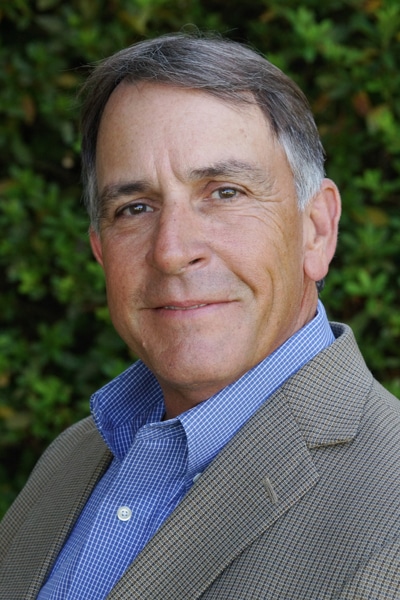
pixel 249 453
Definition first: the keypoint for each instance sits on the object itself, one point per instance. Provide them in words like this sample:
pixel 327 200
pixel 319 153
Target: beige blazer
pixel 303 503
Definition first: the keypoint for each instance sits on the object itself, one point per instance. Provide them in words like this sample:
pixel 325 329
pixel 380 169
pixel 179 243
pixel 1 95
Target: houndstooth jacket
pixel 303 503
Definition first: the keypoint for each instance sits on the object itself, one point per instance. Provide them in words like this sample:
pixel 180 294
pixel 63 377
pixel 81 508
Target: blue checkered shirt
pixel 156 462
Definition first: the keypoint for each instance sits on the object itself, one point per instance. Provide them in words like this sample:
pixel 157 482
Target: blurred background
pixel 57 345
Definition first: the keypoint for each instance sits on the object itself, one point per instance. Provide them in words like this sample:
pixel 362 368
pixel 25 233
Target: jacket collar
pixel 327 396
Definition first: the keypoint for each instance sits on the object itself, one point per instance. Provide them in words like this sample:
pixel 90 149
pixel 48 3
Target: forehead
pixel 146 89
pixel 148 124
pixel 162 102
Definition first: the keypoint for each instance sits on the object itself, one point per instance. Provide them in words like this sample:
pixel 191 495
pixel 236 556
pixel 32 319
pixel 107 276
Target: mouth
pixel 191 307
pixel 187 310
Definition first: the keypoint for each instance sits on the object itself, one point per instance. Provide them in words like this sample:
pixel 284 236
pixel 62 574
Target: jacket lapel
pixel 252 482
pixel 54 515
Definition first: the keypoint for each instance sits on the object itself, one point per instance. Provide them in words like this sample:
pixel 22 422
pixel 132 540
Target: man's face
pixel 201 239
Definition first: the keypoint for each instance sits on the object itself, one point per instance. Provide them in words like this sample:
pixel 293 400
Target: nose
pixel 178 243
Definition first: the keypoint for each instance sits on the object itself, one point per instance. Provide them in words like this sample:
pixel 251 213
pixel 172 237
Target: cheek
pixel 119 278
pixel 121 259
pixel 274 269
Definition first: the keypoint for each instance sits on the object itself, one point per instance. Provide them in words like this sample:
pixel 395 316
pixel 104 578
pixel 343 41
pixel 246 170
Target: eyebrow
pixel 116 190
pixel 230 168
pixel 227 168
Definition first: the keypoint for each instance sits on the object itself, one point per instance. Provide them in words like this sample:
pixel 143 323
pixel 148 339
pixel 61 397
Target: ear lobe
pixel 321 230
pixel 96 246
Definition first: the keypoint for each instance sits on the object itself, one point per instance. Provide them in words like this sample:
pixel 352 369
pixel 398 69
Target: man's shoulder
pixel 63 446
pixel 345 350
pixel 68 439
pixel 330 395
pixel 62 451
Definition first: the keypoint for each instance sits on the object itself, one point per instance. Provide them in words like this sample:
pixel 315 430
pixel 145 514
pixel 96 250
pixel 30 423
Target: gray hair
pixel 220 67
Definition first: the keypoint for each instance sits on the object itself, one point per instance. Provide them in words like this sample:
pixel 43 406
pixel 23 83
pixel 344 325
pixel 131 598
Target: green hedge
pixel 56 342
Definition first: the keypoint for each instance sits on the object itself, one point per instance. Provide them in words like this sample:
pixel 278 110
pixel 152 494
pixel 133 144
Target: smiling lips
pixel 192 307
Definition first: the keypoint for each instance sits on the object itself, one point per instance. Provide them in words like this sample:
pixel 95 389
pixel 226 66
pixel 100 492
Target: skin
pixel 209 264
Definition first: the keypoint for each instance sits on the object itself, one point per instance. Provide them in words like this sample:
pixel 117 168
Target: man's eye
pixel 225 193
pixel 134 209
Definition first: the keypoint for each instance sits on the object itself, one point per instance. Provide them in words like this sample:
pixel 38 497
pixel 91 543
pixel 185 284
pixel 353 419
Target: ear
pixel 95 243
pixel 321 230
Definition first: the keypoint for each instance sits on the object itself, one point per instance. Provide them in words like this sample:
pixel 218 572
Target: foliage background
pixel 56 342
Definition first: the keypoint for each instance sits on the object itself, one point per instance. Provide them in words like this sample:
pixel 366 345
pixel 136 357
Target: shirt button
pixel 124 513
